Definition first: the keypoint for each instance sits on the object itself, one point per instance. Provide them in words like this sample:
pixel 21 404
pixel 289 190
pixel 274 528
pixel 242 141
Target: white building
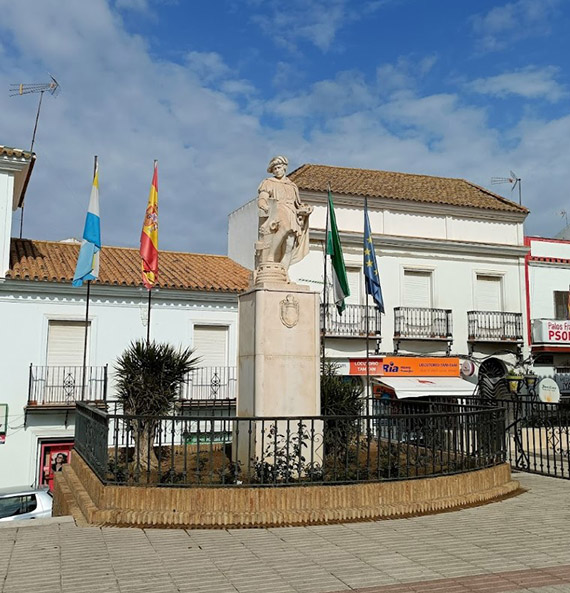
pixel 43 328
pixel 451 258
pixel 548 301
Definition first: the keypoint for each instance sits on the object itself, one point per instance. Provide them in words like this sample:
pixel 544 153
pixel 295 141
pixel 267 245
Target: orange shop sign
pixel 358 366
pixel 402 366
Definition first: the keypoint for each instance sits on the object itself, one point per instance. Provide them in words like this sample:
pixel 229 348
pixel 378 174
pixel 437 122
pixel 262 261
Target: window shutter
pixel 488 295
pixel 211 345
pixel 417 289
pixel 561 304
pixel 65 343
pixel 354 279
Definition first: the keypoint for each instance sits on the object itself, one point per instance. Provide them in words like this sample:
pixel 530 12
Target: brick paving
pixel 519 544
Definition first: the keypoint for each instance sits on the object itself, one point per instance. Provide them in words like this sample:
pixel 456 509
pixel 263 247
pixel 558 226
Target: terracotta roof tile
pixel 17 152
pixel 51 261
pixel 400 186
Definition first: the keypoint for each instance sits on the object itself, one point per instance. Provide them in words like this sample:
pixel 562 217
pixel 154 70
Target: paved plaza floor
pixel 519 544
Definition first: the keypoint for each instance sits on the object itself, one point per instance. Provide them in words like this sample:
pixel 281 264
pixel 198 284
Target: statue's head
pixel 278 160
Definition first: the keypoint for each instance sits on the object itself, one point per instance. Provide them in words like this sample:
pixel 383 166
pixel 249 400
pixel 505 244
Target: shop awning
pixel 427 386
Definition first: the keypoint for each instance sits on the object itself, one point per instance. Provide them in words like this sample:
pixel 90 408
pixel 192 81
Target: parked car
pixel 24 503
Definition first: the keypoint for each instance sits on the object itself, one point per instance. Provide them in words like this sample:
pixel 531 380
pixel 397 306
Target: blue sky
pixel 214 89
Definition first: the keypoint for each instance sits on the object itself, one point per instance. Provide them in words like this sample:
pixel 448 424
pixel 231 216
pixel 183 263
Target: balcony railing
pixel 352 323
pixel 494 326
pixel 207 383
pixel 63 385
pixel 418 323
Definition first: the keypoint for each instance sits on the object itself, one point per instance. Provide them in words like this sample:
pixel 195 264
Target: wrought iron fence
pixel 563 382
pixel 495 326
pixel 207 383
pixel 422 323
pixel 354 321
pixel 538 435
pixel 65 385
pixel 203 407
pixel 392 443
pixel 93 426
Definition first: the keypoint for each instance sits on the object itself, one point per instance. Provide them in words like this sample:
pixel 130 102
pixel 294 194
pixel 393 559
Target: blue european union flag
pixel 371 276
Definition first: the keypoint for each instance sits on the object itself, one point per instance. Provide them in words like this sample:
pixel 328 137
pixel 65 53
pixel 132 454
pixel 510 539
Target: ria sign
pixel 402 366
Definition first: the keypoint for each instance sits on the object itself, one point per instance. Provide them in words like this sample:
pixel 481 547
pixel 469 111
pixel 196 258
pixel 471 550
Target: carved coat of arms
pixel 289 311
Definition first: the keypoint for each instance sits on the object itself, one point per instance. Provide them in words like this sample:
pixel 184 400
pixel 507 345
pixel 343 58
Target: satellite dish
pixel 548 391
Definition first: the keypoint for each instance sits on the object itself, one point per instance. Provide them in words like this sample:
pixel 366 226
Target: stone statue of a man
pixel 283 219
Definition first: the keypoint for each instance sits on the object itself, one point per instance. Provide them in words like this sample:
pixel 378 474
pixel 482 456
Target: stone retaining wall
pixel 79 492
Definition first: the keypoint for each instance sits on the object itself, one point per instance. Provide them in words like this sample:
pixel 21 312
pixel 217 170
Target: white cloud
pixel 347 92
pixel 309 21
pixel 530 82
pixel 286 75
pixel 207 65
pixel 238 87
pixel 209 135
pixel 403 74
pixel 135 5
pixel 118 103
pixel 513 21
pixel 314 21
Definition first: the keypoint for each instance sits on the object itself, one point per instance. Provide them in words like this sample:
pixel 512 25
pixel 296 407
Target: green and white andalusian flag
pixel 334 249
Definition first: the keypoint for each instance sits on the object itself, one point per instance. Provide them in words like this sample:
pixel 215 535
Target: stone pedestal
pixel 278 357
pixel 278 362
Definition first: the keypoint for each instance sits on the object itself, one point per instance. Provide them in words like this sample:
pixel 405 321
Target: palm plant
pixel 148 379
pixel 342 399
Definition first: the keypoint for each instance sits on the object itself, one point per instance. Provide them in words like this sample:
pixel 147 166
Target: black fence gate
pixel 538 436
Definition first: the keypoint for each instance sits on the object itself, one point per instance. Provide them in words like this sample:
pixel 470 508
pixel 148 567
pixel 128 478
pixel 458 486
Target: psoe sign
pixel 551 331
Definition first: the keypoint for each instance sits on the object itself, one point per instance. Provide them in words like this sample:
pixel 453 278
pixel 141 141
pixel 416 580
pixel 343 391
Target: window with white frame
pixel 65 343
pixel 417 288
pixel 210 344
pixel 489 293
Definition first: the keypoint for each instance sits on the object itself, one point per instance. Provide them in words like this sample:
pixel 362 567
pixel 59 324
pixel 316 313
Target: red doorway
pixel 53 456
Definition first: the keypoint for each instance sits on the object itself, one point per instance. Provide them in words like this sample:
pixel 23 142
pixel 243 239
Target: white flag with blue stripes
pixel 87 267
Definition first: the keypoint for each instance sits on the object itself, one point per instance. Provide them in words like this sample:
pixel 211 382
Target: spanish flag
pixel 149 235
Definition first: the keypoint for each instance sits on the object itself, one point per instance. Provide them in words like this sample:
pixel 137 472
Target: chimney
pixel 15 171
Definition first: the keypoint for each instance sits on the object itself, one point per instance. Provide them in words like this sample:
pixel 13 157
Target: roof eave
pixel 19 201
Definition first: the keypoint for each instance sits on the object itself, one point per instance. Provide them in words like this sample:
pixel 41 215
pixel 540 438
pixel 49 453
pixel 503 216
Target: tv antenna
pixel 564 215
pixel 514 180
pixel 52 88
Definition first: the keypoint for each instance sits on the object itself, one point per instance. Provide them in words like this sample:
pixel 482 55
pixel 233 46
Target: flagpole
pixel 148 318
pixel 86 333
pixel 149 245
pixel 325 291
pixel 85 341
pixel 366 313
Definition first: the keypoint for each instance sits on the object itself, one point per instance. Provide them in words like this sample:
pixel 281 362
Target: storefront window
pixel 53 457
